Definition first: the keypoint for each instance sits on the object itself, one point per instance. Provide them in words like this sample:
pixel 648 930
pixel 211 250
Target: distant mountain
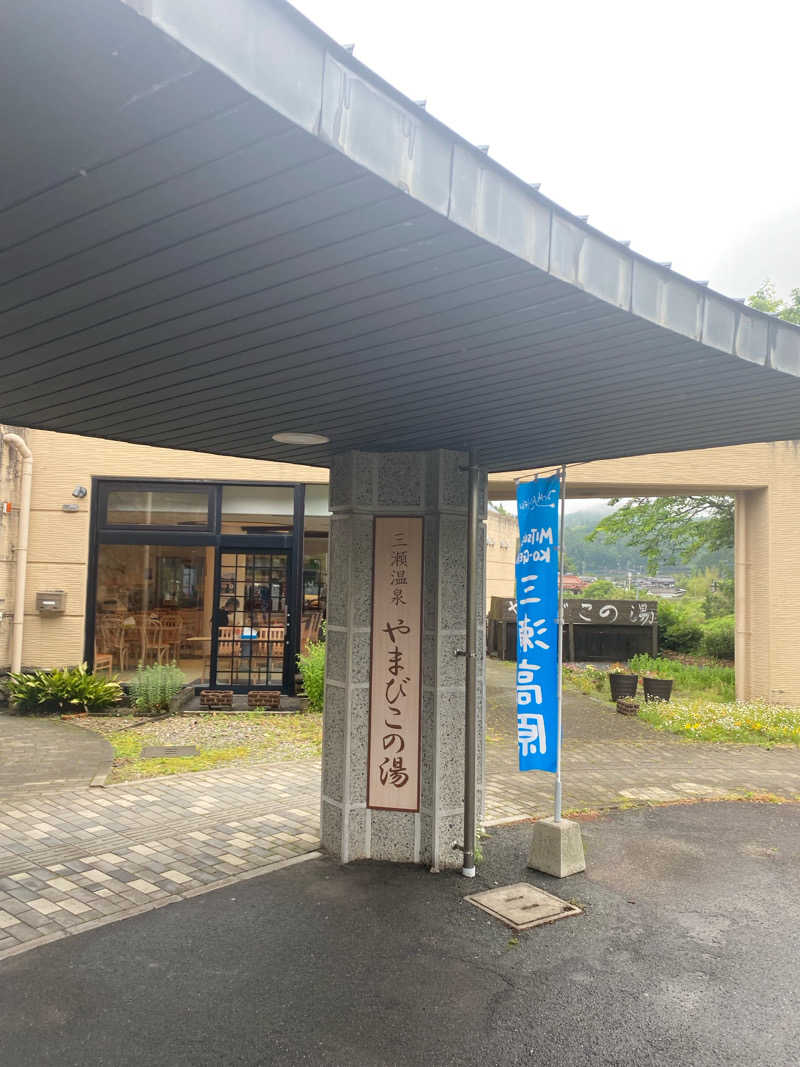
pixel 593 512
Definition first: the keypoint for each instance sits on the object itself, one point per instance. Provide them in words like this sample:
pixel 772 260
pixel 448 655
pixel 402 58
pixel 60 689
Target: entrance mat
pixel 160 751
pixel 523 906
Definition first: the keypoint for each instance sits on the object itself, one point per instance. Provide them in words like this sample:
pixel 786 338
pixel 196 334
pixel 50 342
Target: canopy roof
pixel 218 225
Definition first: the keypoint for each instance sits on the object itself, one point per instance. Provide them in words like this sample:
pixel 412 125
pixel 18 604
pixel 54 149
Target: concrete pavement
pixel 685 956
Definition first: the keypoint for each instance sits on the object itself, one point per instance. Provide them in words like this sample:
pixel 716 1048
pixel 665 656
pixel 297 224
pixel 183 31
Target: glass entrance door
pixel 251 619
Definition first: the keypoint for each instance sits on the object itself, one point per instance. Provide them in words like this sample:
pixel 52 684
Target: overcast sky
pixel 672 124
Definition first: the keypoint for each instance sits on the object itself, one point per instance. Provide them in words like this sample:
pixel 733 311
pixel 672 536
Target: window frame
pixel 107 487
pixel 101 532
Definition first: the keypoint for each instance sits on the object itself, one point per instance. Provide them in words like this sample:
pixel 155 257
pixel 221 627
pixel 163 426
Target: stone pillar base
pixel 556 848
pixel 432 485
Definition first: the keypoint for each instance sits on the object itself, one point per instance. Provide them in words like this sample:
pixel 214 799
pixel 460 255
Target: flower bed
pixel 753 722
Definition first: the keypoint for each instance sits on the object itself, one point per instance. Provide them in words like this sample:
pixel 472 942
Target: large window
pixel 209 576
pixel 154 605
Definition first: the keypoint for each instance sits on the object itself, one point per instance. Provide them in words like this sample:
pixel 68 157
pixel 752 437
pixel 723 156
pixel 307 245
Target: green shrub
pixel 719 638
pixel 67 689
pixel 312 669
pixel 679 628
pixel 719 600
pixel 682 636
pixel 152 688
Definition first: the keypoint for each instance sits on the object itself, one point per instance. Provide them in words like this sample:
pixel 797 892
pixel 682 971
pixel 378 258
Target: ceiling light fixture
pixel 292 438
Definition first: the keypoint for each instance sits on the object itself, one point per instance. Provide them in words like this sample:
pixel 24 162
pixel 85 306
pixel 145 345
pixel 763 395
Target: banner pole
pixel 561 558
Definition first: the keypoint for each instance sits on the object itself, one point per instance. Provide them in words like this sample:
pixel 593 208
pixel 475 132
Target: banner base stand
pixel 557 848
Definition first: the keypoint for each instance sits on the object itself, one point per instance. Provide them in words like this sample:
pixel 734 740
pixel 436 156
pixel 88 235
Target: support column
pixel 773 565
pixel 753 615
pixel 433 485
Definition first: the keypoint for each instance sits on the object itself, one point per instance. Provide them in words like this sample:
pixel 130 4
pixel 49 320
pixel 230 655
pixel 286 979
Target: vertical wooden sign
pixel 396 678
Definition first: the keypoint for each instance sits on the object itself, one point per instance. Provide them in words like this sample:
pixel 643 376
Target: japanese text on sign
pixel 537 624
pixel 394 722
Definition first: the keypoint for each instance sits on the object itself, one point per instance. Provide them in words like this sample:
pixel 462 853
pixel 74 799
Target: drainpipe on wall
pixel 21 558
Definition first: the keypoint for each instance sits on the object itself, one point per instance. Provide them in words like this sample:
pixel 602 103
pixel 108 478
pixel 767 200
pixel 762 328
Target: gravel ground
pixel 104 724
pixel 205 731
pixel 219 738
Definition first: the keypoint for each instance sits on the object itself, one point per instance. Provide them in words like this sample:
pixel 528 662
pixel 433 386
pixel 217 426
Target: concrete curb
pixel 633 805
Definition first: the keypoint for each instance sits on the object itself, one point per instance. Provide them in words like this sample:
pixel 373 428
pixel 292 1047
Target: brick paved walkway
pixel 73 859
pixel 608 759
pixel 47 755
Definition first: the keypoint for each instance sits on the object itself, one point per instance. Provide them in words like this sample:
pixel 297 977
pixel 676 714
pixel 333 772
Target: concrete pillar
pixel 774 565
pixel 752 580
pixel 365 485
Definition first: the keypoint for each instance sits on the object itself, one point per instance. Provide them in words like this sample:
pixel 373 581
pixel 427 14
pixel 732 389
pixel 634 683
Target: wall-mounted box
pixel 52 603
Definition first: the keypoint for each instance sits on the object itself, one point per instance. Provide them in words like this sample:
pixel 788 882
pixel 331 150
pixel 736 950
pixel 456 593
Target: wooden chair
pixel 229 651
pixel 112 640
pixel 172 637
pixel 276 635
pixel 153 641
pixel 103 661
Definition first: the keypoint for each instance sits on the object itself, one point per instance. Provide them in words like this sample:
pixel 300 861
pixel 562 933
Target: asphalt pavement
pixel 687 953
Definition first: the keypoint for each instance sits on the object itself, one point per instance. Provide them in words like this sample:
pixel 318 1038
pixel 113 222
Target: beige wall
pixel 765 480
pixel 501 543
pixel 59 541
pixel 764 477
pixel 705 470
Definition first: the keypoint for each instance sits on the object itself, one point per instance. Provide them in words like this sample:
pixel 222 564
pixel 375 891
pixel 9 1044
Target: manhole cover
pixel 158 751
pixel 523 905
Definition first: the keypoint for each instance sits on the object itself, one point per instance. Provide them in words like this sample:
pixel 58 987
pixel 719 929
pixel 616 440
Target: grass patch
pixel 688 677
pixel 273 738
pixel 754 722
pixel 586 679
pixel 711 682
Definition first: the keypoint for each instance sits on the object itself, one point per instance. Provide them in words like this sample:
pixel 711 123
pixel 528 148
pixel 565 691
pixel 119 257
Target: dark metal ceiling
pixel 182 264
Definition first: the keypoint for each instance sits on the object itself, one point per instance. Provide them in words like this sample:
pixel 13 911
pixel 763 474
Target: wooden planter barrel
pixel 627 706
pixel 622 685
pixel 657 688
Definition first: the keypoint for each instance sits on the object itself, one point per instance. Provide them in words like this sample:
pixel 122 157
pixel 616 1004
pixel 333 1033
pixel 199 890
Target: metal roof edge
pixel 321 87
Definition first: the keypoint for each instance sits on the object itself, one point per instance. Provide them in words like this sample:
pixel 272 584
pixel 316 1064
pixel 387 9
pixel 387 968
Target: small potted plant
pixel 623 682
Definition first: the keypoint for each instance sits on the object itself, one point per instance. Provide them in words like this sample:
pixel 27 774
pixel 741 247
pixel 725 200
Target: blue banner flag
pixel 538 705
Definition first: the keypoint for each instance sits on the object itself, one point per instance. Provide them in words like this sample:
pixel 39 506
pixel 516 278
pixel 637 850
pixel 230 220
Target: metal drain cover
pixel 522 906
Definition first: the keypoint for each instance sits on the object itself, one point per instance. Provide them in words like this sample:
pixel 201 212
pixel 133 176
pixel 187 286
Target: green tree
pixel 672 529
pixel 605 589
pixel 766 298
pixel 681 528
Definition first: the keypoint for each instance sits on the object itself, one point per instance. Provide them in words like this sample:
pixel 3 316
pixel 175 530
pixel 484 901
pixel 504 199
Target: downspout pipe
pixel 21 556
pixel 470 695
